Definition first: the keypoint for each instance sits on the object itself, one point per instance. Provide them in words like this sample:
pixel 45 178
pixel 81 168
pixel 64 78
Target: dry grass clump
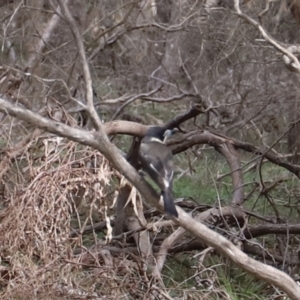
pixel 53 185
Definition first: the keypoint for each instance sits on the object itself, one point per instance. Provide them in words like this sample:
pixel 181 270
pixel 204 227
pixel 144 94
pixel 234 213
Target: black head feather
pixel 157 132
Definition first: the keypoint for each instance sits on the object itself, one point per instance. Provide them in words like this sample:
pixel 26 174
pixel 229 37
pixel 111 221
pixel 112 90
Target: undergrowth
pixel 52 190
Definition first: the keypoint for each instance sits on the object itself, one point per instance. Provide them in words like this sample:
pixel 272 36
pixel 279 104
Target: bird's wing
pixel 168 168
pixel 160 162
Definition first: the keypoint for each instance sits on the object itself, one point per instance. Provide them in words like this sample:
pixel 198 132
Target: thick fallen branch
pixel 259 230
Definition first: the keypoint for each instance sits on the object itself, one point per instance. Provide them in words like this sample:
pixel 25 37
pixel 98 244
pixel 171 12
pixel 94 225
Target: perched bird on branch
pixel 157 161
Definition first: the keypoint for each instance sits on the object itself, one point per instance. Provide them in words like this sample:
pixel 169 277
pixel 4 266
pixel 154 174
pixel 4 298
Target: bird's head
pixel 160 133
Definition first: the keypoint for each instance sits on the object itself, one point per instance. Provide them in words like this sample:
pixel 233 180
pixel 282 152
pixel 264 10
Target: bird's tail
pixel 170 208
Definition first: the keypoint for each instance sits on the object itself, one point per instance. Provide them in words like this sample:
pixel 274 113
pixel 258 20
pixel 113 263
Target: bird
pixel 157 161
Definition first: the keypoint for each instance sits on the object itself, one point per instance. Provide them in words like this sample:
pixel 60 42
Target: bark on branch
pixel 207 136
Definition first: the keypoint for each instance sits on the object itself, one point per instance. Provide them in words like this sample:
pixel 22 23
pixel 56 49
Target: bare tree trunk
pixel 169 70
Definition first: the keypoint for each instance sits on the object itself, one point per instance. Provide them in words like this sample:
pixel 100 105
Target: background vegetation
pixel 226 73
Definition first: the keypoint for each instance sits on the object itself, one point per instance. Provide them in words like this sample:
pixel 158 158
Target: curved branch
pixel 233 160
pixel 214 139
pixel 139 130
pixel 165 248
pixel 268 38
pixel 125 127
pixel 192 113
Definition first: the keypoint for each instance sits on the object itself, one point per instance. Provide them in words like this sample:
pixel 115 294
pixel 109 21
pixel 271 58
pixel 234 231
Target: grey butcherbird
pixel 157 160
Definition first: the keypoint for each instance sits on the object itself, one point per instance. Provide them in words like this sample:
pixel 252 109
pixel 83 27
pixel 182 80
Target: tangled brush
pixel 55 185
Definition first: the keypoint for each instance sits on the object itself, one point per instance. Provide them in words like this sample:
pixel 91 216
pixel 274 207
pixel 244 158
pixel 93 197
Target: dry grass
pixel 54 184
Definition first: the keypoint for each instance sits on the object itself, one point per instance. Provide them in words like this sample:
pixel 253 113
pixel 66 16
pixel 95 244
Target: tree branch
pixel 268 38
pixel 259 230
pixel 207 136
pixel 86 71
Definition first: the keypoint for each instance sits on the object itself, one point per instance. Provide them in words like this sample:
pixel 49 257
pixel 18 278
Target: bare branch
pixel 135 97
pixel 259 230
pixel 268 38
pixel 86 72
pixel 234 163
pixel 165 248
pixel 210 137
